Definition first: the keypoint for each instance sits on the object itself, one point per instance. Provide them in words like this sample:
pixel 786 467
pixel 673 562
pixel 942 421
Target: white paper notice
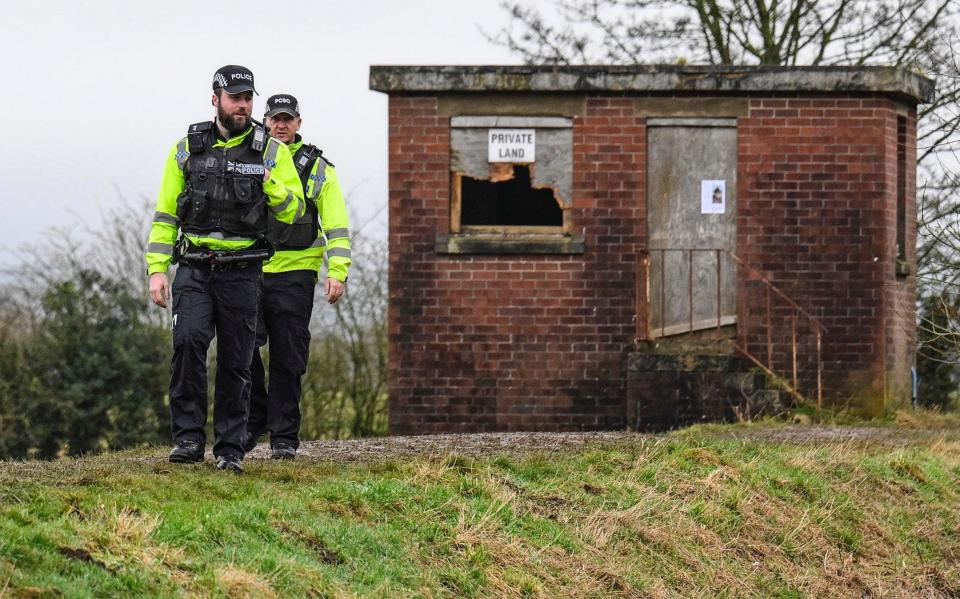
pixel 713 196
pixel 511 145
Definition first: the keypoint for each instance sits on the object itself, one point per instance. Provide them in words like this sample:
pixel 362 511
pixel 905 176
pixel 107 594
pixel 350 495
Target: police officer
pixel 288 284
pixel 222 184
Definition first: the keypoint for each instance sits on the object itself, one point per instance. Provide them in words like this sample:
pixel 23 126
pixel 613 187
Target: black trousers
pixel 207 303
pixel 285 309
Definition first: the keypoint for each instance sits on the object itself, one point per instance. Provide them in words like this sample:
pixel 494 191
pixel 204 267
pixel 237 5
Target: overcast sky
pixel 96 93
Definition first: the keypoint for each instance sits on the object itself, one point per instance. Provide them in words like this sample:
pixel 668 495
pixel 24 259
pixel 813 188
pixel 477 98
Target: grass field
pixel 719 511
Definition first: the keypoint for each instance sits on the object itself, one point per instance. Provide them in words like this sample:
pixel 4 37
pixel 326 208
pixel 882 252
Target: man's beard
pixel 230 123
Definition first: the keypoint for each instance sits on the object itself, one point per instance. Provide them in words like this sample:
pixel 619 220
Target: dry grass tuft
pixel 703 455
pixel 425 472
pixel 926 419
pixel 121 537
pixel 943 446
pixel 904 467
pixel 241 584
pixel 30 592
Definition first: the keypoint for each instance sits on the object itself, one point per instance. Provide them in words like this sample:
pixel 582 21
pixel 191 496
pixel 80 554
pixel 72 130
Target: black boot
pixel 283 451
pixel 229 463
pixel 187 452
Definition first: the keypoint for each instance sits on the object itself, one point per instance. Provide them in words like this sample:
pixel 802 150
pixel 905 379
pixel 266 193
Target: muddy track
pixel 489 444
pixel 470 445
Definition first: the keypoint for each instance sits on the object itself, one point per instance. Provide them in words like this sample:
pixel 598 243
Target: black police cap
pixel 282 103
pixel 233 79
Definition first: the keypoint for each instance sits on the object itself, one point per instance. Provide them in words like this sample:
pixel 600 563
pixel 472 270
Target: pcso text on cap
pixel 282 103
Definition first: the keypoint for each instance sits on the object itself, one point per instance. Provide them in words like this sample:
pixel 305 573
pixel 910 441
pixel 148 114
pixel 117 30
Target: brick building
pixel 606 247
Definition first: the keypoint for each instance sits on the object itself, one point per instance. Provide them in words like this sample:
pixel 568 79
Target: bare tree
pixel 771 32
pixel 113 247
pixel 345 388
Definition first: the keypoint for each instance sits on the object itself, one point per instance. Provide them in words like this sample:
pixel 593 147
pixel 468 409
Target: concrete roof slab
pixel 882 80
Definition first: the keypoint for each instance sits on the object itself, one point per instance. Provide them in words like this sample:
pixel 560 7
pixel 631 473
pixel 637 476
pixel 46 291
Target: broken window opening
pixel 508 200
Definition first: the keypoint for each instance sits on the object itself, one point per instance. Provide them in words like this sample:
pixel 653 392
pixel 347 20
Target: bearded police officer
pixel 288 284
pixel 222 184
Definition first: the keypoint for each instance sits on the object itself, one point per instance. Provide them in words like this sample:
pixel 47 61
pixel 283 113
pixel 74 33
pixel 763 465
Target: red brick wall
pixel 535 342
pixel 817 207
pixel 480 343
pixel 900 296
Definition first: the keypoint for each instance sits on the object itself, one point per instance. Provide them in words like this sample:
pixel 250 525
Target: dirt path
pixel 487 444
pixel 471 445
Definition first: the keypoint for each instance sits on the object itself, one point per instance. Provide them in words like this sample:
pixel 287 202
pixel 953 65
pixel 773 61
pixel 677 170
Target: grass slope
pixel 711 512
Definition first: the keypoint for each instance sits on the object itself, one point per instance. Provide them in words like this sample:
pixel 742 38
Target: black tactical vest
pixel 304 232
pixel 223 190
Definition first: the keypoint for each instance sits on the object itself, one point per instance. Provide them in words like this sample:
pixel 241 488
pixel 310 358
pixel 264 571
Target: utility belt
pixel 197 256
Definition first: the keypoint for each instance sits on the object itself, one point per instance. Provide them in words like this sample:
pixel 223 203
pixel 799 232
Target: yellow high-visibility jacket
pixel 283 190
pixel 323 187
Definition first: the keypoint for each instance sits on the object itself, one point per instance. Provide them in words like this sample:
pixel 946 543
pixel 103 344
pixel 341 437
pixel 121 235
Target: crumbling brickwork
pixel 519 340
pixel 512 342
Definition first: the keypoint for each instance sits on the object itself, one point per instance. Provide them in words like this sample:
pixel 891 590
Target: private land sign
pixel 511 145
